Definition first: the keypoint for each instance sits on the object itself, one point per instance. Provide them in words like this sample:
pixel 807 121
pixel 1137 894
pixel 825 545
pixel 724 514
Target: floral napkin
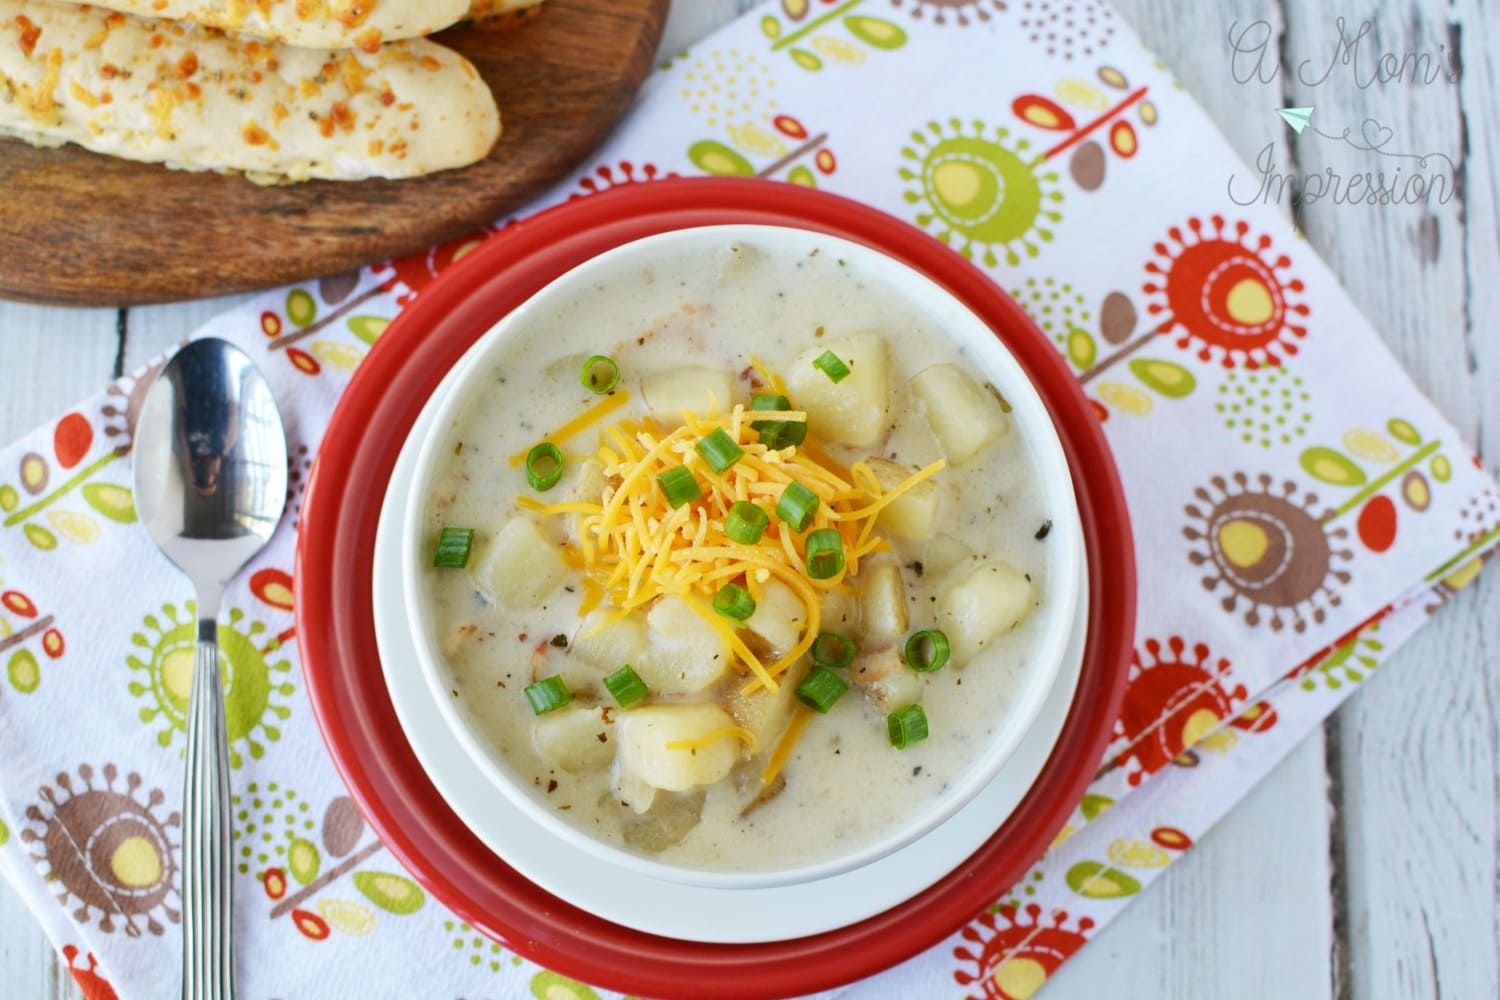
pixel 1299 508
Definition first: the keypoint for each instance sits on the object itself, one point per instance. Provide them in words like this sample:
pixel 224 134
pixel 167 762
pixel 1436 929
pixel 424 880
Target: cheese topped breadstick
pixel 329 24
pixel 481 11
pixel 197 99
pixel 326 24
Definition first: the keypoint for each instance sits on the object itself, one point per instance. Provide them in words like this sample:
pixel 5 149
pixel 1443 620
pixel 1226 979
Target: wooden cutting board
pixel 77 228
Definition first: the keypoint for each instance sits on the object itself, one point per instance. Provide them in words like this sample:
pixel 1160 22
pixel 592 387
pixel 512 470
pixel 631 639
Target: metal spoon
pixel 210 485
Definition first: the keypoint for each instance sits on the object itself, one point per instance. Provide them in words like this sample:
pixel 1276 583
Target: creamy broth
pixel 843 784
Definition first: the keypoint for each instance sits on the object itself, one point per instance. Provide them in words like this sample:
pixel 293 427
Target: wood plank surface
pixel 76 226
pixel 51 359
pixel 1414 754
pixel 1365 866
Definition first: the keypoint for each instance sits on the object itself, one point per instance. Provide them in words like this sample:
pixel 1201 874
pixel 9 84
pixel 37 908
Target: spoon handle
pixel 207 848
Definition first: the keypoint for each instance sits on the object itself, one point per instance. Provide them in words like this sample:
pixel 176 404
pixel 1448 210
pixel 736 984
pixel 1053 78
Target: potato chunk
pixel 780 616
pixel 886 681
pixel 840 611
pixel 519 566
pixel 912 514
pixel 962 413
pixel 697 390
pixel 853 411
pixel 766 715
pixel 645 732
pixel 882 601
pixel 610 648
pixel 669 820
pixel 569 737
pixel 943 553
pixel 987 602
pixel 589 488
pixel 684 654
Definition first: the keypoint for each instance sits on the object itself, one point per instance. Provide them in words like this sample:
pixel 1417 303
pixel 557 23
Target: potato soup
pixel 734 567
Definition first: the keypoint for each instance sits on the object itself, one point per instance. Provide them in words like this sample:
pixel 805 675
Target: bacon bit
pixel 254 134
pixel 29 34
pixel 368 41
pixel 157 41
pixel 398 149
pixel 431 63
pixel 325 127
pixel 193 90
pixel 387 96
pixel 254 76
pixel 109 71
pixel 187 65
pixel 114 20
pixel 105 97
pixel 355 12
pixel 353 74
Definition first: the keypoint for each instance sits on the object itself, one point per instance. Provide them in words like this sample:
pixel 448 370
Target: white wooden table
pixel 1366 866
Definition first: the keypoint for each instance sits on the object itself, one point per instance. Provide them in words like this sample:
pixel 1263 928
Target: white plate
pixel 655 906
pixel 1051 624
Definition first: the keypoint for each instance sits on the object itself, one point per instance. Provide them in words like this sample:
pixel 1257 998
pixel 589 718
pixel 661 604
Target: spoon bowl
pixel 210 487
pixel 210 463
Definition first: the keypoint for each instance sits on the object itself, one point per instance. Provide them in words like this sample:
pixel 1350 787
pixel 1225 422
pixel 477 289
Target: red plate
pixel 336 631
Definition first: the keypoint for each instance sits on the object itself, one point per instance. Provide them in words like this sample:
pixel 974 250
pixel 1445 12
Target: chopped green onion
pixel 734 601
pixel 780 434
pixel 745 523
pixel 768 403
pixel 548 694
pixel 544 466
pixel 719 450
pixel 831 365
pixel 679 486
pixel 599 374
pixel 907 726
pixel 777 434
pixel 626 685
pixel 453 548
pixel 797 505
pixel 825 553
pixel 926 650
pixel 822 688
pixel 833 650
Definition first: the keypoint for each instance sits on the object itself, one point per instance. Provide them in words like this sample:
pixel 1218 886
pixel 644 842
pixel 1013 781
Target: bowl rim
pixel 977 338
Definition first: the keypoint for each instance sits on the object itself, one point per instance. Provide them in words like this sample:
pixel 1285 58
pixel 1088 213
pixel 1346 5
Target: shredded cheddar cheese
pixel 593 414
pixel 634 547
pixel 740 733
pixel 788 742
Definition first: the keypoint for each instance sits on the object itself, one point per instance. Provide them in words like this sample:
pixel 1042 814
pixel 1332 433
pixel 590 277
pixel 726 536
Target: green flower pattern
pixel 257 683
